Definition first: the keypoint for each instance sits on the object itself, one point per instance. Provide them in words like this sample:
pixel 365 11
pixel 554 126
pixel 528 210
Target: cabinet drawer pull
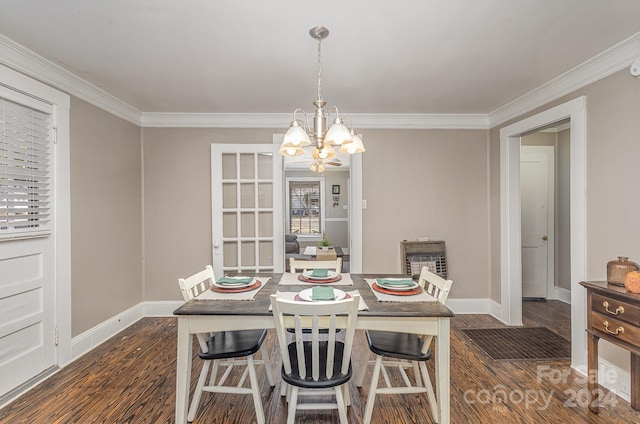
pixel 619 330
pixel 619 309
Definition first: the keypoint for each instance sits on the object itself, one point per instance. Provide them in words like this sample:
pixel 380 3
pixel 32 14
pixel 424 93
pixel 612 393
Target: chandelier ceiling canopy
pixel 301 134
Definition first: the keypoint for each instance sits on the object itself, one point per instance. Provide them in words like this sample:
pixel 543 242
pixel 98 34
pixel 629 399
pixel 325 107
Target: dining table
pixel 204 315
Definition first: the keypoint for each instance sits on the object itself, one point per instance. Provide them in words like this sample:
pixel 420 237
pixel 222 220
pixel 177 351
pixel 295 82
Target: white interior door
pixel 536 188
pixel 28 297
pixel 27 310
pixel 247 221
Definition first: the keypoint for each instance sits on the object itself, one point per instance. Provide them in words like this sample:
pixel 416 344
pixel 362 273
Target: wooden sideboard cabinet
pixel 613 314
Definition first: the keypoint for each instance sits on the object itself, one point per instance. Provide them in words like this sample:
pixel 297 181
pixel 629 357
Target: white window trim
pixel 308 237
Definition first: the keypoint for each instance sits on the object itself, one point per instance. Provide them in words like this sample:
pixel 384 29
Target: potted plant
pixel 324 244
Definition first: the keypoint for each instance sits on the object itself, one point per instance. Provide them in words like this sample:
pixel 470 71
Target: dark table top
pixel 613 289
pixel 259 306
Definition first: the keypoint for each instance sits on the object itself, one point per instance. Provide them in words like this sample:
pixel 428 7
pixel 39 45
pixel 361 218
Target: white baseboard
pixel 472 306
pixel 562 295
pixel 612 377
pixel 95 336
pixel 163 308
pixel 495 309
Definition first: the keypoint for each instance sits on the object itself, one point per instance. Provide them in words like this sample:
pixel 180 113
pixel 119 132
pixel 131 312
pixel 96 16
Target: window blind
pixel 25 174
pixel 305 207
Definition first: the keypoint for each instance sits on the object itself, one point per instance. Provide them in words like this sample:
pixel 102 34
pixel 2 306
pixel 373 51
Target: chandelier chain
pixel 301 134
pixel 319 70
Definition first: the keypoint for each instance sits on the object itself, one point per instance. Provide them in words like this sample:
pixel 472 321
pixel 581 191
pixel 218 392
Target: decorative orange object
pixel 632 281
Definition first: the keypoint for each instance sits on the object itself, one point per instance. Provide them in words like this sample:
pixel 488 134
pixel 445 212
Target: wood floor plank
pixel 131 379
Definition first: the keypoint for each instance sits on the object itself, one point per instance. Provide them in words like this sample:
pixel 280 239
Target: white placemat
pixel 291 296
pixel 290 279
pixel 383 297
pixel 248 295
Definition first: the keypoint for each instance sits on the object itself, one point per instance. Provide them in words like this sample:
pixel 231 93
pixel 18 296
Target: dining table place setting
pixel 315 277
pixel 211 312
pixel 234 288
pixel 398 290
pixel 321 294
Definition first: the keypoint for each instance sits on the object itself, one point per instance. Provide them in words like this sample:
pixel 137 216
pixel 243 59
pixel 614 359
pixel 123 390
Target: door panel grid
pixel 244 217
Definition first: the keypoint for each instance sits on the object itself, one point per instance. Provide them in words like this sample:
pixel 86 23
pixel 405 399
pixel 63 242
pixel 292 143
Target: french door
pixel 246 195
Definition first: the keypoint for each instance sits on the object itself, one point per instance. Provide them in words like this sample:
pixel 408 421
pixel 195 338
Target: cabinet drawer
pixel 616 328
pixel 614 308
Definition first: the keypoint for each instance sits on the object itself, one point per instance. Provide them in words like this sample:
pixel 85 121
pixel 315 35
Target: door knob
pixel 545 238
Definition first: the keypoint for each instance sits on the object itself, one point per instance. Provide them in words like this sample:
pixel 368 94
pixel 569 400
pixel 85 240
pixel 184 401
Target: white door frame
pixel 355 208
pixel 510 254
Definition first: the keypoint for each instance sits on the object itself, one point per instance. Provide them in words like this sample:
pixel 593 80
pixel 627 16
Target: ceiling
pixel 381 57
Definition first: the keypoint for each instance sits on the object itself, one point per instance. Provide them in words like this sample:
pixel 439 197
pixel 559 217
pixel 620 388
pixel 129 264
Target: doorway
pixel 348 195
pixel 510 221
pixel 537 194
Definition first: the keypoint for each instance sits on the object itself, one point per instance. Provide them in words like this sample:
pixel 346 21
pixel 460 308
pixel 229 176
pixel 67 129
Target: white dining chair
pixel 320 366
pixel 304 265
pixel 404 350
pixel 223 349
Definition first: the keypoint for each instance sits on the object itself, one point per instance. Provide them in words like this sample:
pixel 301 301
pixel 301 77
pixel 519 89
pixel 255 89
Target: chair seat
pixel 233 344
pixel 337 378
pixel 308 330
pixel 397 345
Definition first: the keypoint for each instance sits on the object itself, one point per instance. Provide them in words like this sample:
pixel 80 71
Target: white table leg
pixel 443 375
pixel 183 373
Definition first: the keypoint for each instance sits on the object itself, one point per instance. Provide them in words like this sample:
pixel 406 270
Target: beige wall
pixel 428 183
pixel 417 183
pixel 106 270
pixel 177 207
pixel 438 189
pixel 612 150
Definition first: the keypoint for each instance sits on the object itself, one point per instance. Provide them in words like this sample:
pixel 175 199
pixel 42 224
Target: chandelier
pixel 300 134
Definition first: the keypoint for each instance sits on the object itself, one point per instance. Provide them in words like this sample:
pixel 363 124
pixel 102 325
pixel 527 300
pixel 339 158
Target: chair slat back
pixel 301 264
pixel 315 316
pixel 436 286
pixel 194 285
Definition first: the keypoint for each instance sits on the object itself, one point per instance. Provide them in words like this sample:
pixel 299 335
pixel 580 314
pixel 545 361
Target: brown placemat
pixel 520 343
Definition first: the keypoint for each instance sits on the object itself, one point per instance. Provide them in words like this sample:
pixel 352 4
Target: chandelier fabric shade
pixel 300 134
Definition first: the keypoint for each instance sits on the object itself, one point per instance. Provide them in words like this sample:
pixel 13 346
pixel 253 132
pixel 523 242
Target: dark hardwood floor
pixel 131 379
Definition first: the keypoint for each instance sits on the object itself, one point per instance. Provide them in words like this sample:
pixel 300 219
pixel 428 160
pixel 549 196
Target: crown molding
pixel 21 59
pixel 282 120
pixel 422 120
pixel 600 66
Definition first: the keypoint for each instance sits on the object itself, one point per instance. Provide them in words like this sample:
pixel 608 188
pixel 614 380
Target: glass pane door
pixel 246 208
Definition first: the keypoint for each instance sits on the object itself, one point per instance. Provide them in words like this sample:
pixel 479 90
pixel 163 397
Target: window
pixel 305 206
pixel 25 175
